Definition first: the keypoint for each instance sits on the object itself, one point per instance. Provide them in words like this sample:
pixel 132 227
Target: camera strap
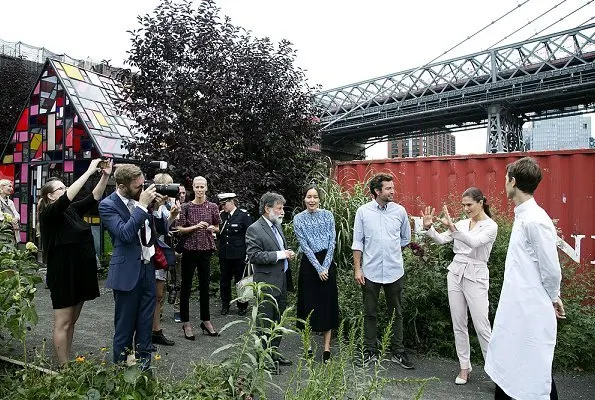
pixel 143 232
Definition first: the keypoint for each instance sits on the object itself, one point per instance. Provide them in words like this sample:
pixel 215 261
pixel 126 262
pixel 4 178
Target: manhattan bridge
pixel 500 89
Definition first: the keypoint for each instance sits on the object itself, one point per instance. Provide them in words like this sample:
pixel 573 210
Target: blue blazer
pixel 123 227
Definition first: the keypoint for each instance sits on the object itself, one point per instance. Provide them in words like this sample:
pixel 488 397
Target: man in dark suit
pixel 267 251
pixel 232 248
pixel 131 276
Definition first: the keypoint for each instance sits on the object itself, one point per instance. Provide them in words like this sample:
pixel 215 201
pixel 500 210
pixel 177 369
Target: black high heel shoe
pixel 326 357
pixel 189 337
pixel 205 331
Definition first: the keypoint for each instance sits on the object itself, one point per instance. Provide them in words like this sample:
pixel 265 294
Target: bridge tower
pixel 505 130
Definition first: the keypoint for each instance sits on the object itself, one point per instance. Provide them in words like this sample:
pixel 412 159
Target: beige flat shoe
pixel 461 381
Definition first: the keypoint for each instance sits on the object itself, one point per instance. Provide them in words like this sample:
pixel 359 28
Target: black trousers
pixel 393 292
pixel 230 269
pixel 268 309
pixel 500 395
pixel 201 261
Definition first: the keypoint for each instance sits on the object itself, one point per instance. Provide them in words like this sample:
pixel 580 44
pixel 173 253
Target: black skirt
pixel 318 297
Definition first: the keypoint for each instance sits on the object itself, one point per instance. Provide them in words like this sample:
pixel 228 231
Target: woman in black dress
pixel 317 280
pixel 69 251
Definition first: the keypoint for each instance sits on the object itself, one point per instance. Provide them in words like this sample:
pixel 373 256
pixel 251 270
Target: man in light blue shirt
pixel 380 231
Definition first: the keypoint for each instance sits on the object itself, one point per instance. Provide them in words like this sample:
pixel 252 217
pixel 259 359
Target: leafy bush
pixel 18 277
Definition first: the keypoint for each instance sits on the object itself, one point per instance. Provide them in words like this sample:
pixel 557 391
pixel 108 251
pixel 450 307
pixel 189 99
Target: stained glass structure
pixel 70 119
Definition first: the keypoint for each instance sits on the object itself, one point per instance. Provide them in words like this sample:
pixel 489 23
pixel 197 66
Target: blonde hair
pixel 5 182
pixel 163 178
pixel 126 173
pixel 199 178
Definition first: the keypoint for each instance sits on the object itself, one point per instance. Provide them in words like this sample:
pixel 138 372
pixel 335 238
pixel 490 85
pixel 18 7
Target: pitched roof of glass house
pixel 93 97
pixel 70 118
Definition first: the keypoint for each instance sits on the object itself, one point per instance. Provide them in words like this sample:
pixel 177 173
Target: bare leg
pixel 327 340
pixel 64 320
pixel 159 299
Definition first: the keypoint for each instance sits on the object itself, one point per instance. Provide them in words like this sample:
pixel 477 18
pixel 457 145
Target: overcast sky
pixel 338 41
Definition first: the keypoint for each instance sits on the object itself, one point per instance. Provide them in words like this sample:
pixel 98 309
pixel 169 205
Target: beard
pixel 130 194
pixel 274 218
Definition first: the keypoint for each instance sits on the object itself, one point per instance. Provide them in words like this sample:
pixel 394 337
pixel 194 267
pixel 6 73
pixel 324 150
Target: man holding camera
pixel 125 214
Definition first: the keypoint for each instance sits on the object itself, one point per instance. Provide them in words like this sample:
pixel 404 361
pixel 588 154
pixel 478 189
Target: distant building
pixel 442 144
pixel 558 134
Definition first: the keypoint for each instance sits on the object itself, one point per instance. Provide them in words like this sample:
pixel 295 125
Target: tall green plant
pixel 18 277
pixel 250 361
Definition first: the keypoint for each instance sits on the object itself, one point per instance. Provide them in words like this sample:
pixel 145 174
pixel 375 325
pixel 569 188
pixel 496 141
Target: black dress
pixel 317 296
pixel 69 249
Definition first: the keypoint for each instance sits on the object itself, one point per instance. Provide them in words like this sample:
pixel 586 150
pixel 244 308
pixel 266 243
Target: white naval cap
pixel 226 196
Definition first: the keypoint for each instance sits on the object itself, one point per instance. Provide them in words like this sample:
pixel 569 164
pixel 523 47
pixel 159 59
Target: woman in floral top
pixel 199 219
pixel 317 281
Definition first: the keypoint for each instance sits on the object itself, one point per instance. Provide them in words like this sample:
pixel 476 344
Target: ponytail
pixel 478 196
pixel 486 207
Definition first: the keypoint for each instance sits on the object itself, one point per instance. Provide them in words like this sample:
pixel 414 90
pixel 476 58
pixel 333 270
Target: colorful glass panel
pixel 72 71
pixel 88 91
pixel 24 173
pixel 100 118
pixel 23 123
pixel 68 166
pixel 35 141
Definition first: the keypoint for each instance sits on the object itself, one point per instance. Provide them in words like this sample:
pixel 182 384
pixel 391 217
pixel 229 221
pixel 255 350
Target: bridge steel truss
pixel 499 88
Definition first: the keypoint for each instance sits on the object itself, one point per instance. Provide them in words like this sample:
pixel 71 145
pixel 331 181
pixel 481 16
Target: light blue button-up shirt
pixel 380 233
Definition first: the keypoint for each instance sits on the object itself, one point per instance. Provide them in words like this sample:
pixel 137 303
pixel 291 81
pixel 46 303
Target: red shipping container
pixel 566 191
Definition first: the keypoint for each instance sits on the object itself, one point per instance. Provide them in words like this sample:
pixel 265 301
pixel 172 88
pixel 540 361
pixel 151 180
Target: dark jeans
pixel 394 294
pixel 500 395
pixel 201 261
pixel 230 269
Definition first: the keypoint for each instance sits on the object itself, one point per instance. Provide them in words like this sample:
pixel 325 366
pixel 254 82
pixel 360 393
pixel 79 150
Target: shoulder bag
pixel 244 287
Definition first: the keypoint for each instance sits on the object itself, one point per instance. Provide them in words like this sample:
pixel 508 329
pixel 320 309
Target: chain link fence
pixel 38 55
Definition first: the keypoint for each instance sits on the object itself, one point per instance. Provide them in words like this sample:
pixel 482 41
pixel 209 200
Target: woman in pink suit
pixel 468 276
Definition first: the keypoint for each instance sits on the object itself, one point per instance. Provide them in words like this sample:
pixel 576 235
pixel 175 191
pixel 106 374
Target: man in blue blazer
pixel 131 276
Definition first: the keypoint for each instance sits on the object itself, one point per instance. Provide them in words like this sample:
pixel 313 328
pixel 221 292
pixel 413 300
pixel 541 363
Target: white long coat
pixel 521 349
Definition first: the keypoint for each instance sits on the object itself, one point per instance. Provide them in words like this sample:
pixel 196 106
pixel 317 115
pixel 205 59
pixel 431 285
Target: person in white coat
pixel 521 350
pixel 468 276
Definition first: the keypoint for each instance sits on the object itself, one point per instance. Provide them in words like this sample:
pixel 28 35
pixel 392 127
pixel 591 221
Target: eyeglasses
pixel 60 188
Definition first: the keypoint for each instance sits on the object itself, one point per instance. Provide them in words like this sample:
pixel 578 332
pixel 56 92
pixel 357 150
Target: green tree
pixel 216 101
pixel 17 77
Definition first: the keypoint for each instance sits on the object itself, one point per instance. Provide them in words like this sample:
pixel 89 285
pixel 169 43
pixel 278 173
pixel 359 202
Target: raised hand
pixel 107 171
pixel 147 196
pixel 94 166
pixel 428 217
pixel 446 220
pixel 175 210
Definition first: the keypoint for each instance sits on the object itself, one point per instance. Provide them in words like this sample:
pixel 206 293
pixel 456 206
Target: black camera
pixel 164 189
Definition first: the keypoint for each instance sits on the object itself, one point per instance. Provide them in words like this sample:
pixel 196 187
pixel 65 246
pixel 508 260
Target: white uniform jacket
pixel 521 349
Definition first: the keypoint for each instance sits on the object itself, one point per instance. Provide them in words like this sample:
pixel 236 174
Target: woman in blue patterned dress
pixel 317 279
